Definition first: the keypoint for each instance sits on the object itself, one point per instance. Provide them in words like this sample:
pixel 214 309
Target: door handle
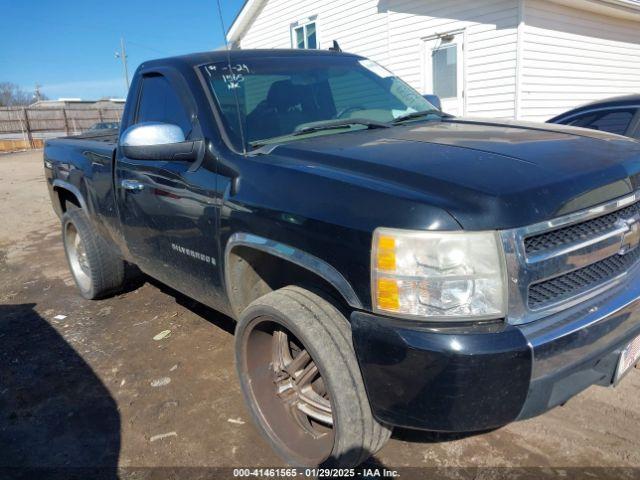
pixel 132 185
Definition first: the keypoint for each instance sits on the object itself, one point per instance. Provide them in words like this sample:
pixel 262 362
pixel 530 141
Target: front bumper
pixel 455 378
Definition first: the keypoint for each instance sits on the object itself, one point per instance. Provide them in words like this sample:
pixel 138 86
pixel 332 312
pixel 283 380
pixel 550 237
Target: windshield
pixel 272 98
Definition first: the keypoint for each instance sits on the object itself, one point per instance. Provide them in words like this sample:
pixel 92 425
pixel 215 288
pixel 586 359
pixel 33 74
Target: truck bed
pixel 74 149
pixel 107 136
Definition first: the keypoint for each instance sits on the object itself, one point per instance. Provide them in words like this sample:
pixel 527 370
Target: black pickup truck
pixel 387 264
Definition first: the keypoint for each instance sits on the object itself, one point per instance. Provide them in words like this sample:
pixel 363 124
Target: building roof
pixel 249 10
pixel 75 101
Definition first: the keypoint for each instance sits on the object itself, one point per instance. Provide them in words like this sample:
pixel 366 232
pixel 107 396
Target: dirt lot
pixel 86 384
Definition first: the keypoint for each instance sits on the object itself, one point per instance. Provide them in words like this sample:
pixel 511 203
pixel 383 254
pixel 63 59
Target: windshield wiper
pixel 337 124
pixel 420 114
pixel 334 124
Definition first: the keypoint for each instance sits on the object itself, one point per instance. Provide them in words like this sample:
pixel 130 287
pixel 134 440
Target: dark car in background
pixel 620 115
pixel 97 127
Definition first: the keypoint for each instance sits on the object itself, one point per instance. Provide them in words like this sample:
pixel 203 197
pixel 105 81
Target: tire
pixel 313 325
pixel 97 270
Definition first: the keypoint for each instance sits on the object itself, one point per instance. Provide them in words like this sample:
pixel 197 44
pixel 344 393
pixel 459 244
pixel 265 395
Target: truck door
pixel 166 208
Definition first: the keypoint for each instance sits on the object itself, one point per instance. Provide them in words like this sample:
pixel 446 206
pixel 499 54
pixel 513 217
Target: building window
pixel 305 36
pixel 445 71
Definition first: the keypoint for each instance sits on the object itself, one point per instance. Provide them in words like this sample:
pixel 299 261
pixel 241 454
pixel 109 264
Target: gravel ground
pixel 146 379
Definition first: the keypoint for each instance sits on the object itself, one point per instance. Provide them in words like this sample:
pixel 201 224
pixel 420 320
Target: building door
pixel 444 72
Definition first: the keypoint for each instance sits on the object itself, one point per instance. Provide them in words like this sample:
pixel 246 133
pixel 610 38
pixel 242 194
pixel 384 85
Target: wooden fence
pixel 26 128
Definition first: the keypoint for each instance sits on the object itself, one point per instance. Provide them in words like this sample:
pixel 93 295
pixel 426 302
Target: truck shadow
pixel 57 419
pixel 212 316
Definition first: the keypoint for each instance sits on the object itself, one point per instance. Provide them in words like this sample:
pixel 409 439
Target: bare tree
pixel 12 95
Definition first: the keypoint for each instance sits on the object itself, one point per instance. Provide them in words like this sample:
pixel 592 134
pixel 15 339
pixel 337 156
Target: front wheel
pixel 300 378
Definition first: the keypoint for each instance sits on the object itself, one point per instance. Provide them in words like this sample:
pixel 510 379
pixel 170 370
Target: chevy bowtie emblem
pixel 630 238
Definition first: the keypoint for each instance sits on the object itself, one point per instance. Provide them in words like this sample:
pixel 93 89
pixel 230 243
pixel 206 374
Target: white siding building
pixel 524 59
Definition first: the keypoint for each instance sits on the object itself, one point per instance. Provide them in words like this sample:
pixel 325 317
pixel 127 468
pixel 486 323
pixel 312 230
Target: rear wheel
pixel 301 380
pixel 97 270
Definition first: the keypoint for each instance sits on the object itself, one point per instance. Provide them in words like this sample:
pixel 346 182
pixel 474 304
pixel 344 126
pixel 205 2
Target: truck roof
pixel 200 58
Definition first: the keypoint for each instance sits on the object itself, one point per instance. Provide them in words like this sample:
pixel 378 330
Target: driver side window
pixel 160 103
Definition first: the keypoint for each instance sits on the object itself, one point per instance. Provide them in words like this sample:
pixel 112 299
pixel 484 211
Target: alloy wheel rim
pixel 300 386
pixel 78 259
pixel 288 392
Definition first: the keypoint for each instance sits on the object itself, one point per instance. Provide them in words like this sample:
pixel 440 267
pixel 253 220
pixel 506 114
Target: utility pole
pixel 122 55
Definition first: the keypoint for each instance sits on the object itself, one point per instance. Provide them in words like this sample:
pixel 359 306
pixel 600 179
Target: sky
pixel 68 46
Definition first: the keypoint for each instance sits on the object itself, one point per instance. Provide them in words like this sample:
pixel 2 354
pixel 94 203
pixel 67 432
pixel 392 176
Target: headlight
pixel 438 275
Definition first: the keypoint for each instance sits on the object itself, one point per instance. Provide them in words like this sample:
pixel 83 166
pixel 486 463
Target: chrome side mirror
pixel 151 133
pixel 158 141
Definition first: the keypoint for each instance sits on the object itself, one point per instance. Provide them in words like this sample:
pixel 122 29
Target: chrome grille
pixel 580 232
pixel 573 283
pixel 562 262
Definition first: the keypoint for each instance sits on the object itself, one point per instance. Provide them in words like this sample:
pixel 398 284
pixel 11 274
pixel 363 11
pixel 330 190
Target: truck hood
pixel 487 175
